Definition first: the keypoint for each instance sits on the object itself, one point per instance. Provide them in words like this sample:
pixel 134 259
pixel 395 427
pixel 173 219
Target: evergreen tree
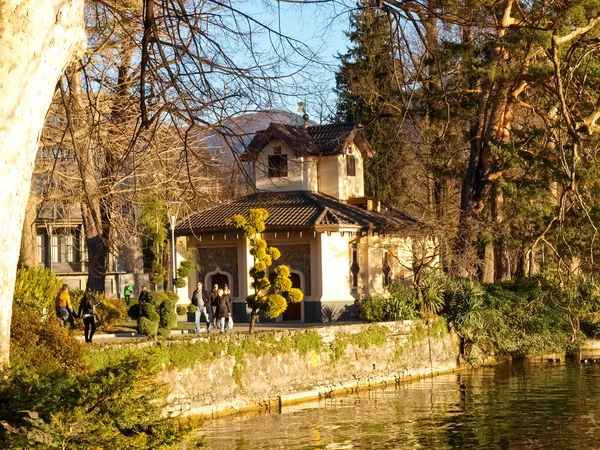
pixel 369 94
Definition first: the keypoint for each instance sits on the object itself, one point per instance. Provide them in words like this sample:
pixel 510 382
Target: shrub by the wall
pixel 147 327
pixel 168 318
pixel 181 310
pixel 402 304
pixel 161 311
pixel 192 308
pixel 134 311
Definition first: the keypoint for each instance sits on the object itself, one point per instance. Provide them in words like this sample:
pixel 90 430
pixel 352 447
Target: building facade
pixel 340 245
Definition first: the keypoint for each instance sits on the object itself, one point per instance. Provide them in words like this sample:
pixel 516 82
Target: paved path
pixel 239 327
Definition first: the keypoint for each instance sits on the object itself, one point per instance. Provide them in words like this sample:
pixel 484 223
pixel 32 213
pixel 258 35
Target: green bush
pixel 147 327
pixel 117 407
pixel 153 317
pixel 168 318
pixel 181 310
pixel 109 311
pixel 36 288
pixel 192 308
pixel 134 311
pixel 164 332
pixel 402 304
pixel 147 309
pixel 76 296
pixel 179 283
pixel 41 343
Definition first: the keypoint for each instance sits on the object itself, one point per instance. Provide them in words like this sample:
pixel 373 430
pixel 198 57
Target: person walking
pixel 128 291
pixel 64 309
pixel 224 309
pixel 214 303
pixel 227 292
pixel 144 296
pixel 87 311
pixel 200 301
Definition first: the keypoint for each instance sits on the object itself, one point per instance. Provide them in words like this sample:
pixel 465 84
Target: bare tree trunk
pixel 487 275
pixel 28 255
pixel 253 319
pixel 501 257
pixel 37 40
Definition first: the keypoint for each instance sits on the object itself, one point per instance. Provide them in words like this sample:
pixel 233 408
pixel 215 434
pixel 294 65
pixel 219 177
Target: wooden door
pixel 293 311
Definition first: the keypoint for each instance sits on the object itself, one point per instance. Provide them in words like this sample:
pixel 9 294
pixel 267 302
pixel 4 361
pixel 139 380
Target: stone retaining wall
pixel 351 357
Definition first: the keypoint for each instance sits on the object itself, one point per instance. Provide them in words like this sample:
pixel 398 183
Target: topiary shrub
pixel 181 310
pixel 192 308
pixel 164 332
pixel 134 311
pixel 147 327
pixel 171 299
pixel 153 317
pixel 168 318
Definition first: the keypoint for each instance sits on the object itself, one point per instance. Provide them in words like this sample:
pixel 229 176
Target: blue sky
pixel 321 27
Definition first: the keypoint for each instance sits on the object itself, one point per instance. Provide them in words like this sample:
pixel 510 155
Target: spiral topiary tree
pixel 274 291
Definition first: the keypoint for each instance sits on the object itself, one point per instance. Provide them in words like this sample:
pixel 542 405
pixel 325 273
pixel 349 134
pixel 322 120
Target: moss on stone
pixel 375 335
pixel 307 341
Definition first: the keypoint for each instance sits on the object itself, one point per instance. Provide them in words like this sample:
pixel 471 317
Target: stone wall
pixel 322 362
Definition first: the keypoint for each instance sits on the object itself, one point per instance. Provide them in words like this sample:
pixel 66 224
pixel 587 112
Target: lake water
pixel 527 405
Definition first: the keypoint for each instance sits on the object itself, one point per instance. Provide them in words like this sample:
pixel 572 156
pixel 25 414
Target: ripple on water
pixel 529 405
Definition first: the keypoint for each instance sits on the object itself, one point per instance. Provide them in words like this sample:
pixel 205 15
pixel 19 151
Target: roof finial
pixel 302 109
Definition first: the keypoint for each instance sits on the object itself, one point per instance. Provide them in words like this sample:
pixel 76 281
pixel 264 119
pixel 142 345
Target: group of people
pixel 214 306
pixel 87 311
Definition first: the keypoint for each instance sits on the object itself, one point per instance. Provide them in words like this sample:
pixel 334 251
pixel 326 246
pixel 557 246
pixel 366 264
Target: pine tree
pixel 369 94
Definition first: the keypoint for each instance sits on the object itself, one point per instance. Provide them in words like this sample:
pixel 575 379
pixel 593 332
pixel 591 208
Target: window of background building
pixel 278 164
pixel 65 246
pixel 41 248
pixel 350 165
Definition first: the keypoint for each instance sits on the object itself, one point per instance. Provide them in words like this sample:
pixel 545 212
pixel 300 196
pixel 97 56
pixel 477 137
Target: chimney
pixel 306 122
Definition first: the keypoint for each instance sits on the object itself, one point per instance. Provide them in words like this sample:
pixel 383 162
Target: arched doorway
pixel 293 311
pixel 219 278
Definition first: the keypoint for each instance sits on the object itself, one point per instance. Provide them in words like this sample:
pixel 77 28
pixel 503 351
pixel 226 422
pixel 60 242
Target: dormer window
pixel 350 165
pixel 278 164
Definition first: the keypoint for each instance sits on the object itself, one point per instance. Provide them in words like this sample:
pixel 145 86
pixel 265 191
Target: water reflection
pixel 530 405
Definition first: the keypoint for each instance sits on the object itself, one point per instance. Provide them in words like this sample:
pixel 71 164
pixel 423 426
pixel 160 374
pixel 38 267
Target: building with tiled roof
pixel 339 245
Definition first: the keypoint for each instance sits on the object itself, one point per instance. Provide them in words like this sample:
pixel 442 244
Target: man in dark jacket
pixel 144 296
pixel 201 302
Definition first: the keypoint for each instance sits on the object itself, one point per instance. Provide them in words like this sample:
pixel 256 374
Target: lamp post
pixel 173 253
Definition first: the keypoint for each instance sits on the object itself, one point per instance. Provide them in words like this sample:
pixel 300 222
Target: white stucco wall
pixel 350 187
pixel 333 179
pixel 335 267
pixel 328 176
pixel 302 171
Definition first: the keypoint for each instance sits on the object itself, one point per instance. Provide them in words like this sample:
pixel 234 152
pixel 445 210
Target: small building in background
pixel 61 247
pixel 340 245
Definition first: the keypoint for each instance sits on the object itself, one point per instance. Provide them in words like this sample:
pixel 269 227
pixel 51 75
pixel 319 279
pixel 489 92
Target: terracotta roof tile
pixel 296 210
pixel 315 140
pixel 331 139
